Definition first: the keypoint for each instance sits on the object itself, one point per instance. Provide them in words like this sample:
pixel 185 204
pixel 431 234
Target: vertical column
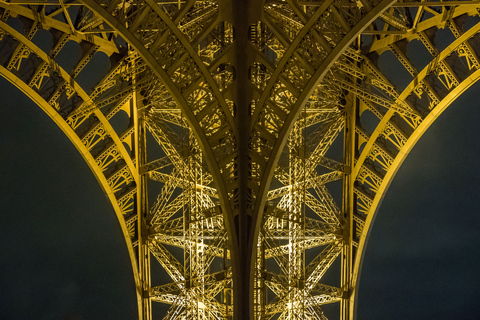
pixel 194 217
pixel 190 230
pixel 242 254
pixel 139 145
pixel 259 285
pixel 346 305
pixel 296 266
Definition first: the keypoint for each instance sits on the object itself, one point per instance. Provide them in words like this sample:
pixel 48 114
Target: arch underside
pixel 338 94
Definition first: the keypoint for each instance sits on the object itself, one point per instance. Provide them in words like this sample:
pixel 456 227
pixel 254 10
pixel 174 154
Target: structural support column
pixel 243 278
pixel 144 303
pixel 244 253
pixel 346 306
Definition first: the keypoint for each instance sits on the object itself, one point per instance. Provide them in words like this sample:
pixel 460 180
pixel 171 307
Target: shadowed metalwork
pixel 244 145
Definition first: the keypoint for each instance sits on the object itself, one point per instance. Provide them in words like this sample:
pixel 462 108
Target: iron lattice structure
pixel 244 145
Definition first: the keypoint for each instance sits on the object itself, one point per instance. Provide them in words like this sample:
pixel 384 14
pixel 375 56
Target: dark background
pixel 62 250
pixel 422 259
pixel 63 255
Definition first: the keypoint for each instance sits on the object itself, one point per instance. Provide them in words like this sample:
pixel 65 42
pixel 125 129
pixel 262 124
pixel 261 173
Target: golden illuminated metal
pixel 244 145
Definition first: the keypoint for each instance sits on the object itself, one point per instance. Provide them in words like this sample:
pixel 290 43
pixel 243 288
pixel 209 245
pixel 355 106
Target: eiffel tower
pixel 245 146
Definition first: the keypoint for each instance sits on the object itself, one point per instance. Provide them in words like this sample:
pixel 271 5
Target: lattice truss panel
pixel 51 52
pixel 301 235
pixel 305 226
pixel 186 232
pixel 340 92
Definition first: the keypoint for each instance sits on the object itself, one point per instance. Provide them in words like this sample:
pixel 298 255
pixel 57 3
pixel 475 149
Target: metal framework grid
pixel 244 145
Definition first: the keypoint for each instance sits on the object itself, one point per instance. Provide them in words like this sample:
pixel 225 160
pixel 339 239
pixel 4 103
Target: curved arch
pixel 118 185
pixel 77 142
pixel 182 93
pixel 419 87
pixel 61 235
pixel 356 78
pixel 89 117
pixel 302 97
pixel 404 151
pixel 423 242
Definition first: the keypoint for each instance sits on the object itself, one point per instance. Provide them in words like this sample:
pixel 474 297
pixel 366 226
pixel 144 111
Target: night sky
pixel 63 257
pixel 62 250
pixel 422 258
